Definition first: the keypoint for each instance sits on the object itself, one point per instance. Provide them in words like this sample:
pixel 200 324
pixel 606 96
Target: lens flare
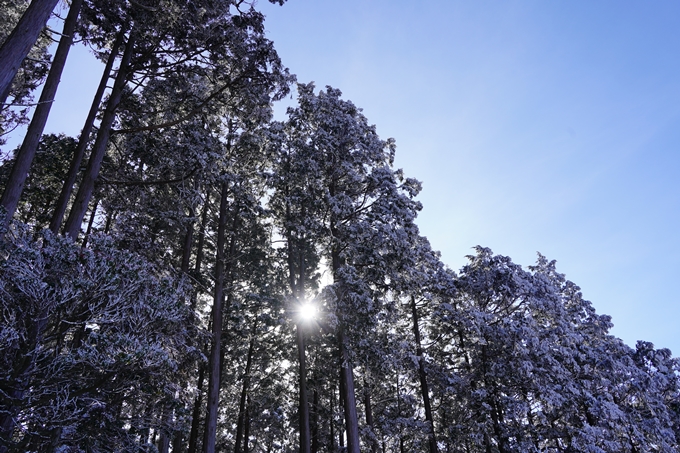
pixel 307 312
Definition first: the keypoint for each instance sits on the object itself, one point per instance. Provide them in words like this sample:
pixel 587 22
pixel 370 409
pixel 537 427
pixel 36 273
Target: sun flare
pixel 307 311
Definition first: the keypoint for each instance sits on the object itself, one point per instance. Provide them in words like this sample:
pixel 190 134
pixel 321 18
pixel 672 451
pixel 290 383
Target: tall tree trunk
pixel 90 222
pixel 84 194
pixel 246 434
pixel 346 373
pixel 215 354
pixel 240 424
pixel 84 139
pixel 369 416
pixel 25 155
pixel 347 379
pixel 314 422
pixel 341 418
pixel 196 413
pixel 303 403
pixel 422 375
pixel 20 41
pixel 332 421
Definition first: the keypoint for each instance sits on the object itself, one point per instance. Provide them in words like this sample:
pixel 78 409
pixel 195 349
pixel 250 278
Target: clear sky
pixel 545 125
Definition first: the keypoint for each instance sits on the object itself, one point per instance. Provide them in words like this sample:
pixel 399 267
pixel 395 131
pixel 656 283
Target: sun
pixel 307 311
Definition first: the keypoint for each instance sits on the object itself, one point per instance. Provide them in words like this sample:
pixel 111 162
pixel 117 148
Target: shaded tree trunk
pixel 75 218
pixel 422 376
pixel 90 222
pixel 215 353
pixel 20 41
pixel 347 380
pixel 369 415
pixel 314 422
pixel 303 403
pixel 83 140
pixel 240 425
pixel 25 155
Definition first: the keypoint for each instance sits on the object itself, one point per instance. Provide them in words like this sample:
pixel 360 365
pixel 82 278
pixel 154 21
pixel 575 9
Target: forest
pixel 191 275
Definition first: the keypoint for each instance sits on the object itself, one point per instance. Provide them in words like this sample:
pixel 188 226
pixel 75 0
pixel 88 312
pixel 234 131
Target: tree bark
pixel 347 378
pixel 422 376
pixel 314 422
pixel 240 425
pixel 369 415
pixel 83 140
pixel 20 41
pixel 215 355
pixel 84 194
pixel 196 413
pixel 90 222
pixel 304 403
pixel 25 155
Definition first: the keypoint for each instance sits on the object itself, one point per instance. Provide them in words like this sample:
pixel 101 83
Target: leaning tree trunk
pixel 215 353
pixel 25 155
pixel 20 41
pixel 422 375
pixel 83 140
pixel 79 207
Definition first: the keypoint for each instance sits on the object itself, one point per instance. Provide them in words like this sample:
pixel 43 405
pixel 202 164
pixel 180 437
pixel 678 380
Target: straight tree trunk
pixel 369 416
pixel 20 41
pixel 25 155
pixel 422 376
pixel 215 355
pixel 314 422
pixel 84 194
pixel 240 425
pixel 304 403
pixel 346 373
pixel 196 413
pixel 83 140
pixel 347 379
pixel 332 421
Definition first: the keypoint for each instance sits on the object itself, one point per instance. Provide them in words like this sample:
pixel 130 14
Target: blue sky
pixel 549 126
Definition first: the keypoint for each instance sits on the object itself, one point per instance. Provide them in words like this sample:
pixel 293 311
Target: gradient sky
pixel 545 125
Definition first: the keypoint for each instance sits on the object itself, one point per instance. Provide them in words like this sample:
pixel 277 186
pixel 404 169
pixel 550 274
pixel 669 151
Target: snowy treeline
pixel 153 271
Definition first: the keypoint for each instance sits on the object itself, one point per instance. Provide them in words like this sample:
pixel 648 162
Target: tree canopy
pixel 153 270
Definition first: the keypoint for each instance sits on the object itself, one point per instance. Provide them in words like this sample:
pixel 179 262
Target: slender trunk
pixel 402 446
pixel 346 373
pixel 196 413
pixel 314 422
pixel 246 435
pixel 25 155
pixel 347 379
pixel 304 403
pixel 369 416
pixel 422 375
pixel 240 425
pixel 90 222
pixel 84 194
pixel 20 41
pixel 83 140
pixel 332 421
pixel 189 235
pixel 341 418
pixel 215 354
